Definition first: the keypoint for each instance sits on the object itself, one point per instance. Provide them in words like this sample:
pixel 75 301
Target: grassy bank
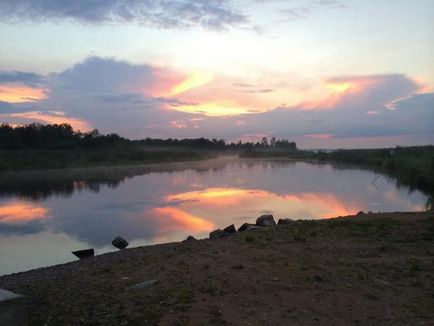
pixel 132 155
pixel 371 269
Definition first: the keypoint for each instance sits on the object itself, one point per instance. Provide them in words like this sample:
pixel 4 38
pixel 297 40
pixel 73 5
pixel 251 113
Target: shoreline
pixel 377 262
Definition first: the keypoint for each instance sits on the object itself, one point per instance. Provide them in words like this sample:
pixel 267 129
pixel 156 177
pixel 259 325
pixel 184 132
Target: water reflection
pixel 88 208
pixel 17 212
pixel 234 204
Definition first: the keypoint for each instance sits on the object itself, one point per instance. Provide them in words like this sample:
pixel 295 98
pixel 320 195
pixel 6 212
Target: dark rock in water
pixel 217 234
pixel 248 227
pixel 120 243
pixel 190 238
pixel 283 221
pixel 360 213
pixel 265 220
pixel 85 253
pixel 142 285
pixel 230 229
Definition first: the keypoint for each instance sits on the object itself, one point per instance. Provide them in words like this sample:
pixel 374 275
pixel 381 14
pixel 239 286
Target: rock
pixel 248 227
pixel 230 229
pixel 85 253
pixel 142 285
pixel 13 309
pixel 283 221
pixel 190 238
pixel 244 227
pixel 120 243
pixel 360 213
pixel 216 234
pixel 265 220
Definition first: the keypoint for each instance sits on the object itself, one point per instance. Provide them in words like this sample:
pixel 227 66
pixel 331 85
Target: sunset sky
pixel 324 73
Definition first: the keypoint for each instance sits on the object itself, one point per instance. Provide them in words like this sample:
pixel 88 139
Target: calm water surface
pixel 46 215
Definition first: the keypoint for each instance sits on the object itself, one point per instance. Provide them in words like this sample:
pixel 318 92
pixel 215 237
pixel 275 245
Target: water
pixel 46 215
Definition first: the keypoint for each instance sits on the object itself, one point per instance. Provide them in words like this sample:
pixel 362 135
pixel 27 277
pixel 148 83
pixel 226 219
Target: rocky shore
pixel 375 268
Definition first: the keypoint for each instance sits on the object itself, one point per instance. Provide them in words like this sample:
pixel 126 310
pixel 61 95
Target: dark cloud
pixel 26 78
pixel 157 13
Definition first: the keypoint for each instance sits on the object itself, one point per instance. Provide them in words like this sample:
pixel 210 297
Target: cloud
pixel 300 12
pixel 117 96
pixel 50 117
pixel 156 13
pixel 18 86
pixel 25 78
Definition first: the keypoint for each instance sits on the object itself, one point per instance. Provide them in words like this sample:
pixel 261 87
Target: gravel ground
pixel 371 269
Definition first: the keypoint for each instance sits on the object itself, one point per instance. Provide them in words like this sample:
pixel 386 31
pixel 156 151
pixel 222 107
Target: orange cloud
pixel 52 117
pixel 334 90
pixel 14 93
pixel 21 213
pixel 213 109
pixel 196 79
pixel 184 220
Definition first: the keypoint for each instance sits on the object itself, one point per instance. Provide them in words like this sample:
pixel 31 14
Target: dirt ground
pixel 372 269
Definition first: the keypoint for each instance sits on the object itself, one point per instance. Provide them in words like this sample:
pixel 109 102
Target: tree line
pixel 64 137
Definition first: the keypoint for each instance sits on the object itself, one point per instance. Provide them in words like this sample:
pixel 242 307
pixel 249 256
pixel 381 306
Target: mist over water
pixel 46 215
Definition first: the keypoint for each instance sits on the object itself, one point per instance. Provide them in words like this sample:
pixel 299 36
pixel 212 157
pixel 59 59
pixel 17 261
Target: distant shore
pixel 374 268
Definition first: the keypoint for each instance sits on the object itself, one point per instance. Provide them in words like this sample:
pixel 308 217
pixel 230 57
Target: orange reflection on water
pixel 21 213
pixel 326 205
pixel 184 220
pixel 234 203
pixel 217 196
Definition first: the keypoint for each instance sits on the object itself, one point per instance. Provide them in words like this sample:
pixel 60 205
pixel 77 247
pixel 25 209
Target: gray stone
pixel 120 243
pixel 13 309
pixel 230 229
pixel 142 285
pixel 190 238
pixel 265 220
pixel 248 227
pixel 217 234
pixel 283 221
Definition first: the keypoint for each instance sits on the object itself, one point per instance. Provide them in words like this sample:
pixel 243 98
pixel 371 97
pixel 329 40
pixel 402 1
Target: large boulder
pixel 216 234
pixel 120 243
pixel 265 220
pixel 283 221
pixel 230 229
pixel 248 227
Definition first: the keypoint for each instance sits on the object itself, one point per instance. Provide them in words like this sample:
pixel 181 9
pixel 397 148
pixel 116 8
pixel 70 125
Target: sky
pixel 323 73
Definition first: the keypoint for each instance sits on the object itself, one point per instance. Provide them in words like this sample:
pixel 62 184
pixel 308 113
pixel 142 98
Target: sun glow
pixel 52 117
pixel 213 109
pixel 21 94
pixel 196 79
pixel 339 87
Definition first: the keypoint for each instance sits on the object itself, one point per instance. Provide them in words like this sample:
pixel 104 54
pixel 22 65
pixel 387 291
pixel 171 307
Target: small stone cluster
pixel 261 221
